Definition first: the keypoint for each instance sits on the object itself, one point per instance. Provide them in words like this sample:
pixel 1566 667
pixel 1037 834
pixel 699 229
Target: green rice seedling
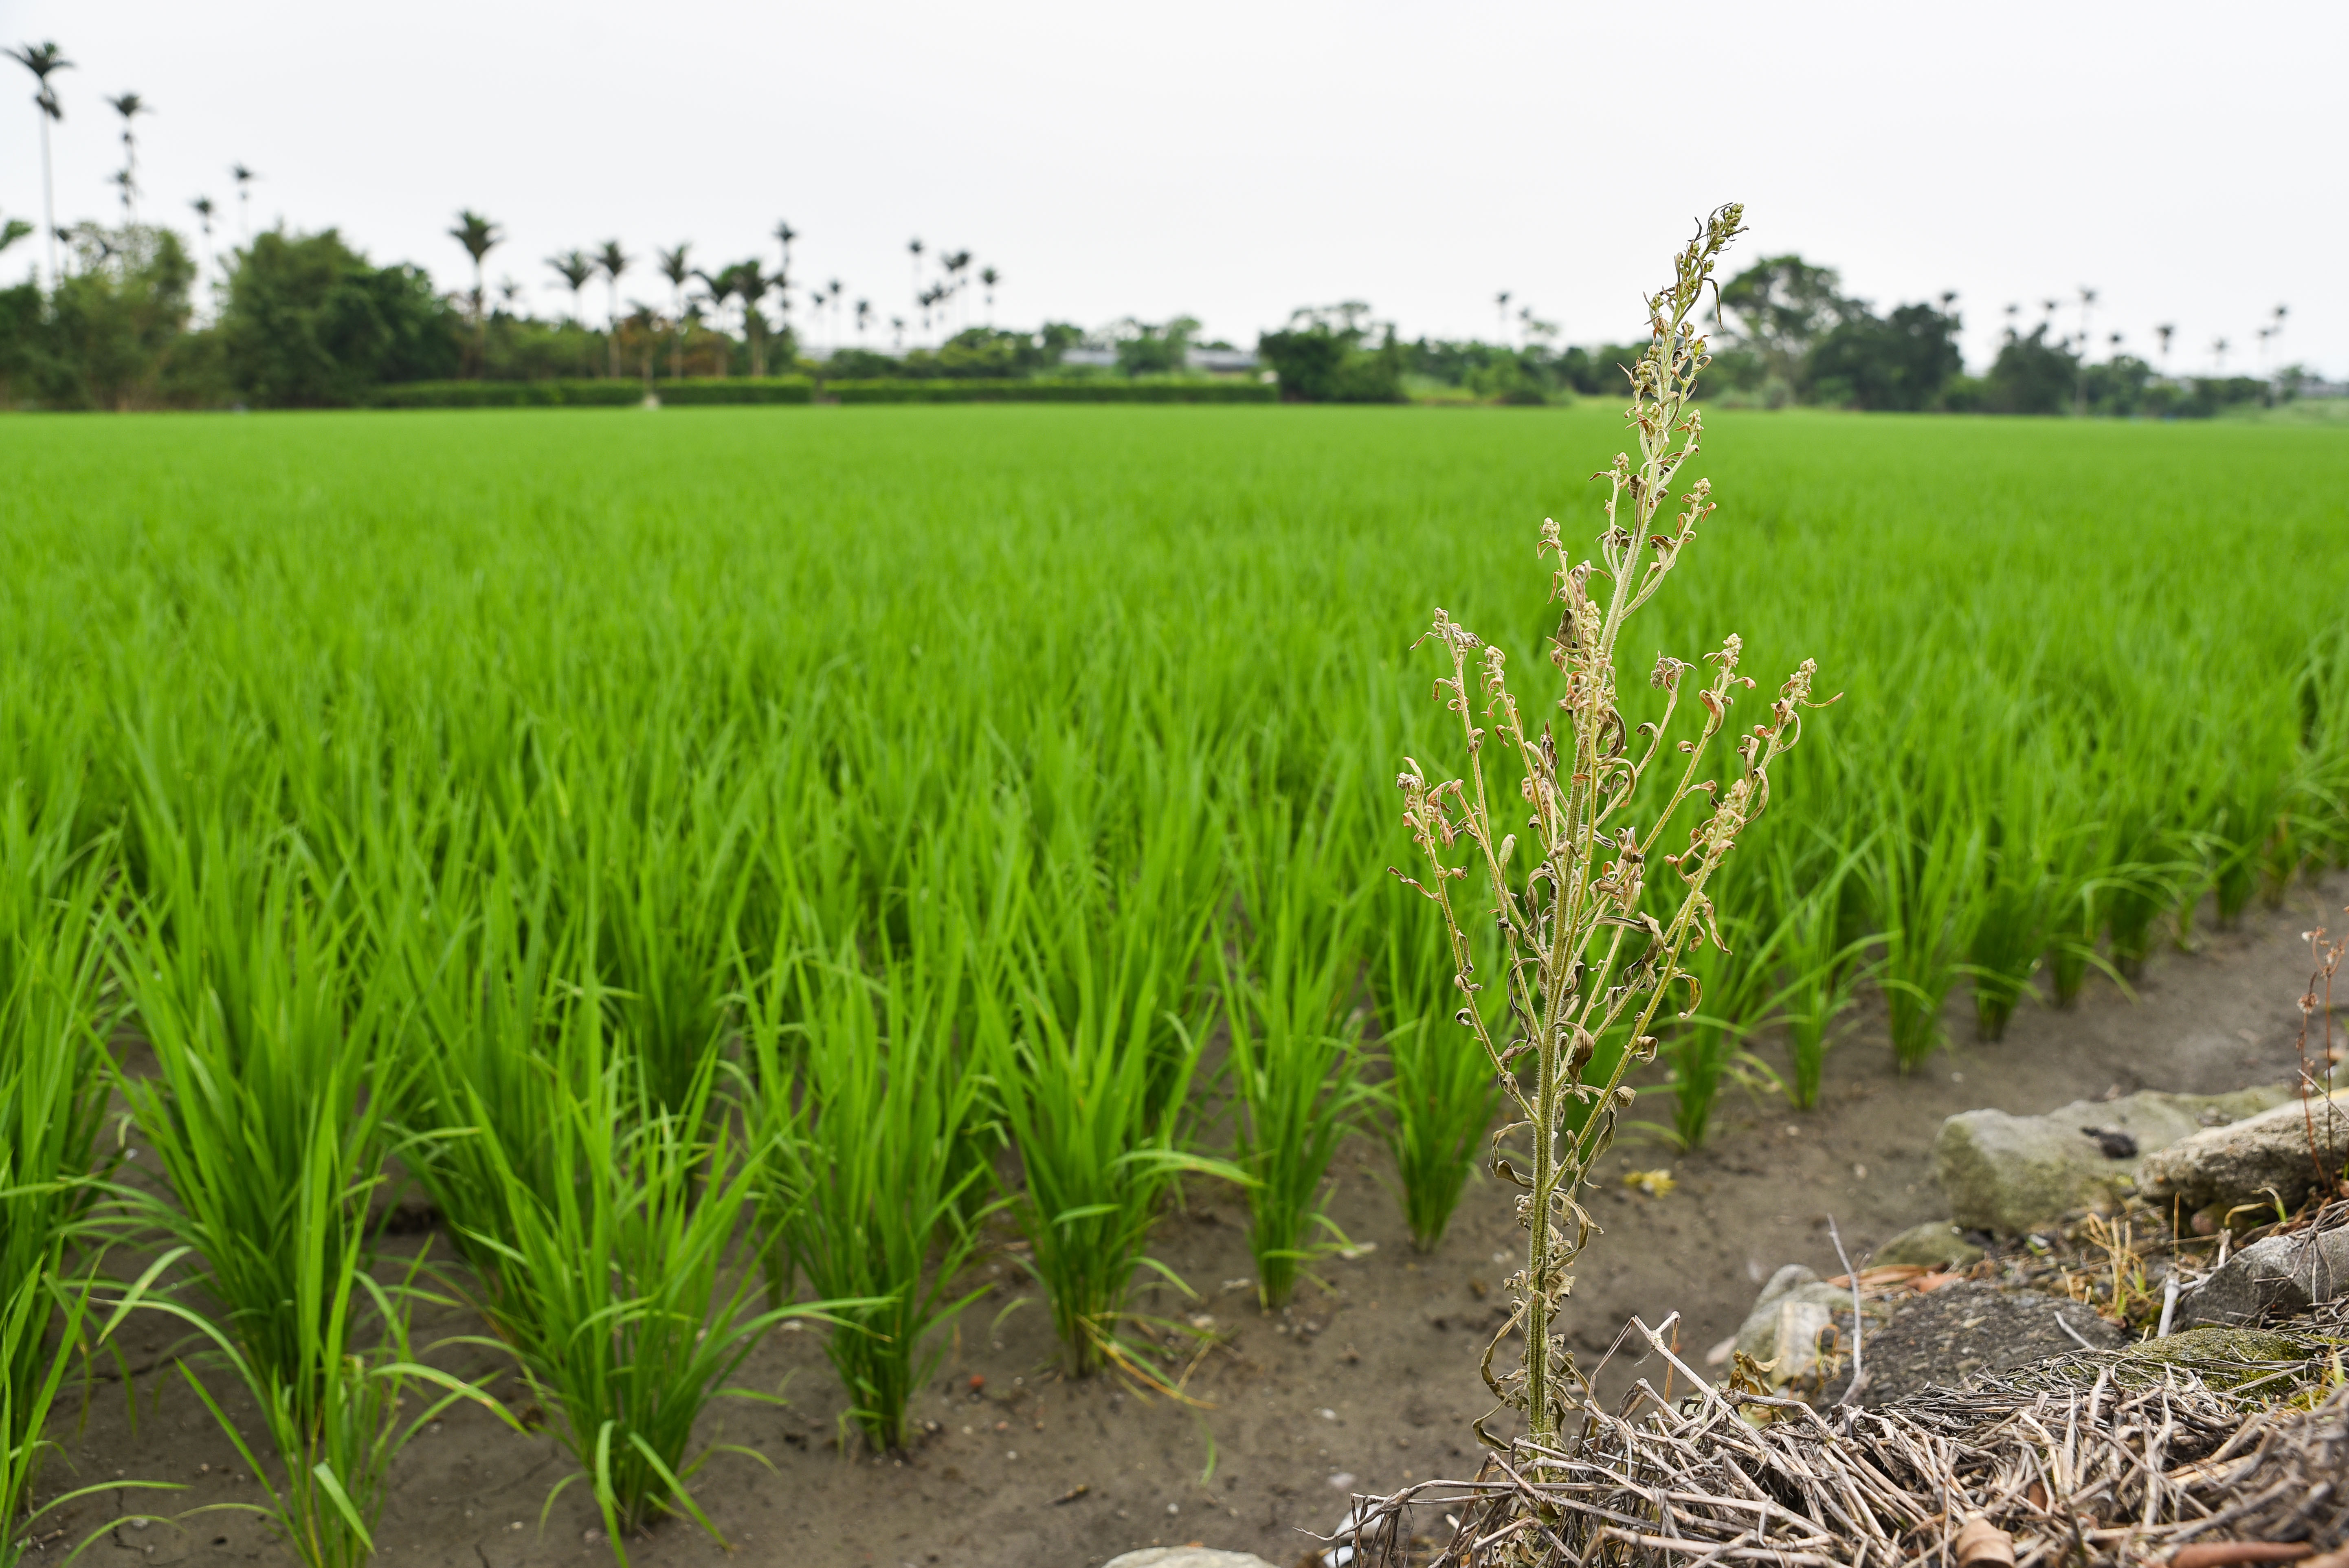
pixel 2078 917
pixel 1924 880
pixel 336 1419
pixel 666 868
pixel 864 1116
pixel 1438 1100
pixel 1094 1105
pixel 52 1097
pixel 606 1257
pixel 1823 967
pixel 1289 985
pixel 1583 955
pixel 1734 975
pixel 2142 883
pixel 2009 940
pixel 273 1076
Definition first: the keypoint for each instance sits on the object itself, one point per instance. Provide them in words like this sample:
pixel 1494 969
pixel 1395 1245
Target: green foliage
pixel 1897 361
pixel 310 322
pixel 1783 306
pixel 1047 390
pixel 2031 375
pixel 1295 1063
pixel 273 1077
pixel 1438 1100
pixel 868 1110
pixel 52 1097
pixel 598 394
pixel 112 321
pixel 602 1226
pixel 380 698
pixel 1154 349
pixel 1323 356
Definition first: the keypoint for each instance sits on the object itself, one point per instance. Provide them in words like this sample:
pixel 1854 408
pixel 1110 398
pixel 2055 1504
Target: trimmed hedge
pixel 975 391
pixel 624 392
pixel 620 393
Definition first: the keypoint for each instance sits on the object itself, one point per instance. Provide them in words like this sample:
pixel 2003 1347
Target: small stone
pixel 1937 1244
pixel 1186 1557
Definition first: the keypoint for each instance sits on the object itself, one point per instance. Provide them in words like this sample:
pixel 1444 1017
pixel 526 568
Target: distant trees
pixel 1901 362
pixel 310 322
pixel 1324 356
pixel 110 326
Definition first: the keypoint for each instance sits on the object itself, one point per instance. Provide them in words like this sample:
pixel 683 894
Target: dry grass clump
pixel 2106 1458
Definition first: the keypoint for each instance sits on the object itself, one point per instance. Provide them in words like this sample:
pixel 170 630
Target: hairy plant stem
pixel 1551 921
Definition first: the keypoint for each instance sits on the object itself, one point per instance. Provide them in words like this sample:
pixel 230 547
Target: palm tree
pixel 835 315
pixel 244 177
pixel 614 261
pixel 913 248
pixel 1501 310
pixel 129 105
pixel 2080 381
pixel 864 315
pixel 784 235
pixel 576 268
pixel 45 60
pixel 2219 347
pixel 2163 332
pixel 750 285
pixel 203 210
pixel 677 268
pixel 897 329
pixel 954 265
pixel 989 277
pixel 479 236
pixel 722 286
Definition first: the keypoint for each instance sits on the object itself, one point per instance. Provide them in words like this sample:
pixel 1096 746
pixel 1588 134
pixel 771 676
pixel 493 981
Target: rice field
pixel 739 863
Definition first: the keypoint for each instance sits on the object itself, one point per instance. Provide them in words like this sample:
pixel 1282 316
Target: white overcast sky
pixel 1236 160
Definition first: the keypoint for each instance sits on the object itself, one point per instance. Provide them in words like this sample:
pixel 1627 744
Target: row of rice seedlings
pixel 52 1102
pixel 276 1067
pixel 857 1088
pixel 1091 1038
pixel 1825 961
pixel 1437 1100
pixel 613 1236
pixel 1921 872
pixel 1289 981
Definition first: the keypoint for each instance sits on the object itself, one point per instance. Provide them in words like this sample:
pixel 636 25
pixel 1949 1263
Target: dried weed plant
pixel 1585 955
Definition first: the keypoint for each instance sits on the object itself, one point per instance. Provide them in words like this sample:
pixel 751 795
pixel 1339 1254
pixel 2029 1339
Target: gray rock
pixel 1936 1245
pixel 2012 1174
pixel 1187 1557
pixel 2277 1277
pixel 1963 1329
pixel 2241 1162
pixel 1782 1330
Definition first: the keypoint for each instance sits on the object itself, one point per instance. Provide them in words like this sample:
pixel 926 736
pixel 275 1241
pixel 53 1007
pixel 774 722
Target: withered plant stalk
pixel 1583 955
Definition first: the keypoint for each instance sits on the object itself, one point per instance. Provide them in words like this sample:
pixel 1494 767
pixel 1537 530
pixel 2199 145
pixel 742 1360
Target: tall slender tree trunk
pixel 49 201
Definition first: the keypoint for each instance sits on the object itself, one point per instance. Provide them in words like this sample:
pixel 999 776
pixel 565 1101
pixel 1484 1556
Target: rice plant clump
pixel 1590 952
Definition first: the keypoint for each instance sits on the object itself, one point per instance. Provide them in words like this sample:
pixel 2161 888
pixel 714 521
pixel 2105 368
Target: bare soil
pixel 1364 1385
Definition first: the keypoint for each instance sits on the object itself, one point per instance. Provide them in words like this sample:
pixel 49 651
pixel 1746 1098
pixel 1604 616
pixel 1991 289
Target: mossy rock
pixel 2220 1356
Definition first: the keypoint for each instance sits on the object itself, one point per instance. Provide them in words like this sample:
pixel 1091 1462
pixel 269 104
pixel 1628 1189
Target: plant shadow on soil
pixel 1367 1385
